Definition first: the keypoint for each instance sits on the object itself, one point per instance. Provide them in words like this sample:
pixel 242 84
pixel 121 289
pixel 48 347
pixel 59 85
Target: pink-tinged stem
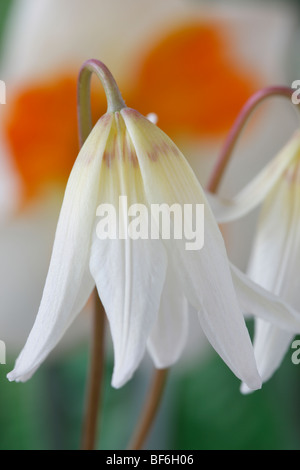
pixel 115 101
pixel 238 126
pixel 94 384
pixel 149 409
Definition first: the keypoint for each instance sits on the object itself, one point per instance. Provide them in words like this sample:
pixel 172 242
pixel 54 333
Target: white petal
pixel 69 282
pixel 262 303
pixel 274 264
pixel 129 273
pixel 169 335
pixel 274 261
pixel 204 273
pixel 270 347
pixel 226 210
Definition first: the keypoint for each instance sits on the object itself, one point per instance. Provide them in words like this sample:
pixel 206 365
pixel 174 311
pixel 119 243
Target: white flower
pixel 40 70
pixel 274 261
pixel 145 285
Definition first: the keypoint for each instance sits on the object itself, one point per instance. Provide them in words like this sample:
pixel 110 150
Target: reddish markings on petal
pixel 156 143
pixel 158 150
pixel 105 119
pixel 133 113
pixel 170 147
pixel 132 157
pixel 191 82
pixel 129 151
pixel 42 133
pixel 119 145
pixel 107 158
pixel 102 123
pixel 153 154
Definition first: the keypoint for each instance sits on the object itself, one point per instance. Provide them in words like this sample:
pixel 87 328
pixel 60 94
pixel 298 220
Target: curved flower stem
pixel 150 408
pixel 95 376
pixel 114 103
pixel 238 126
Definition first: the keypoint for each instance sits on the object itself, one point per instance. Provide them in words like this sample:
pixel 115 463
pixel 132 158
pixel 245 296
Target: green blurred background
pixel 202 407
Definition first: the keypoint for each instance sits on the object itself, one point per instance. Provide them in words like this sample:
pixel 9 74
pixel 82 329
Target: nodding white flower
pixel 145 284
pixel 274 260
pixel 38 123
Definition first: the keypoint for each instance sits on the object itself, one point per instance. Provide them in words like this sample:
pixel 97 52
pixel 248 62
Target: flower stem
pixel 95 376
pixel 150 409
pixel 238 126
pixel 115 101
